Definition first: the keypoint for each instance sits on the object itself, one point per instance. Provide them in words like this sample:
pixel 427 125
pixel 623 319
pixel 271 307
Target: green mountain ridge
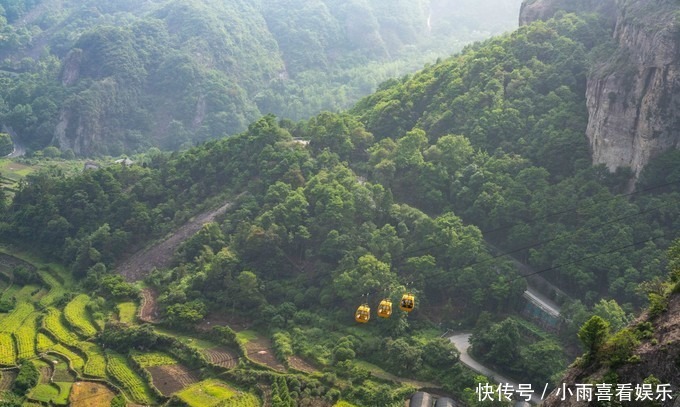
pixel 400 194
pixel 107 78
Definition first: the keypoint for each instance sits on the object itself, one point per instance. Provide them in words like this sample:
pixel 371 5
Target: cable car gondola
pixel 363 314
pixel 408 302
pixel 385 308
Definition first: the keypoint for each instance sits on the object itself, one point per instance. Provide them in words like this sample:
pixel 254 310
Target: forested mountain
pixel 107 77
pixel 633 84
pixel 427 186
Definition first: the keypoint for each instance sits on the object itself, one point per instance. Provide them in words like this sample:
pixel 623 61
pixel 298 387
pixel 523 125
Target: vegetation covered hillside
pixel 107 77
pixel 450 184
pixel 645 352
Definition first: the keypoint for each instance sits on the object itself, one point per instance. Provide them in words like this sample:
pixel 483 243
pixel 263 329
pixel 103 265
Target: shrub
pixel 26 379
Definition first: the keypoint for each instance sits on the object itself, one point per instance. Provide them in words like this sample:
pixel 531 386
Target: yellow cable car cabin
pixel 408 302
pixel 363 314
pixel 385 308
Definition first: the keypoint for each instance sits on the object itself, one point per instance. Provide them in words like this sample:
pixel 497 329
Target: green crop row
pixel 131 382
pixel 96 360
pixel 77 316
pixel 7 351
pixel 213 392
pixel 11 322
pixel 153 359
pixel 56 288
pixel 127 312
pixel 43 342
pixel 53 324
pixel 25 337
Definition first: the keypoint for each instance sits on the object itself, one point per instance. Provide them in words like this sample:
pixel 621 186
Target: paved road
pixel 550 306
pixel 462 342
pixel 527 270
pixel 19 150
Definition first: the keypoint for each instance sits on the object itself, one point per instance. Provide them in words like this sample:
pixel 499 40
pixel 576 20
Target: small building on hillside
pixel 544 316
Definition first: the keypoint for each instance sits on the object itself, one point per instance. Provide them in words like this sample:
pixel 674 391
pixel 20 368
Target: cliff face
pixel 533 10
pixel 633 94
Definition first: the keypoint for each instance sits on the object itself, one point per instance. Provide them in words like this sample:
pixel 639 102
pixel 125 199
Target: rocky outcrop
pixel 634 98
pixel 657 356
pixel 633 93
pixel 71 67
pixel 533 10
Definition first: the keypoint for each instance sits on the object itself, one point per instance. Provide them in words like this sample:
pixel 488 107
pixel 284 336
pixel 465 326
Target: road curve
pixel 462 342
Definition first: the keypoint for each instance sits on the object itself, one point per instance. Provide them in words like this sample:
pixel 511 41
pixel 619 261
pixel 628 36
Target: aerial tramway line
pixel 407 303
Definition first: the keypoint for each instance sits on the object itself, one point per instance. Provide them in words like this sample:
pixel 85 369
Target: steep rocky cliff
pixel 533 10
pixel 633 90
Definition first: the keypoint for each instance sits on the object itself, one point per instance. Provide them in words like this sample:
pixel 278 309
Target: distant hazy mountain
pixel 106 77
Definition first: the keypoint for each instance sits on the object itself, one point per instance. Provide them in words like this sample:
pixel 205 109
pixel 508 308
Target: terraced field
pixel 57 290
pixel 169 379
pixel 14 319
pixel 78 317
pixel 151 359
pixel 25 337
pixel 90 394
pixel 134 386
pixel 210 393
pixel 300 364
pixel 43 343
pixel 26 292
pixel 7 379
pixel 56 336
pixel 8 354
pixel 51 393
pixel 62 373
pixel 260 351
pixel 46 370
pixel 95 366
pixel 76 360
pixel 221 357
pixel 127 312
pixel 53 324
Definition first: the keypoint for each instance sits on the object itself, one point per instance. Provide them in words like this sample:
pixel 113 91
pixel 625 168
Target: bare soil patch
pixel 90 394
pixel 260 351
pixel 221 357
pixel 170 379
pixel 7 379
pixel 160 255
pixel 315 403
pixel 300 364
pixel 148 312
pixel 45 374
pixel 221 319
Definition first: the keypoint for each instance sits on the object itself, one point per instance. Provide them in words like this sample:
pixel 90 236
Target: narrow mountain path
pixel 160 255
